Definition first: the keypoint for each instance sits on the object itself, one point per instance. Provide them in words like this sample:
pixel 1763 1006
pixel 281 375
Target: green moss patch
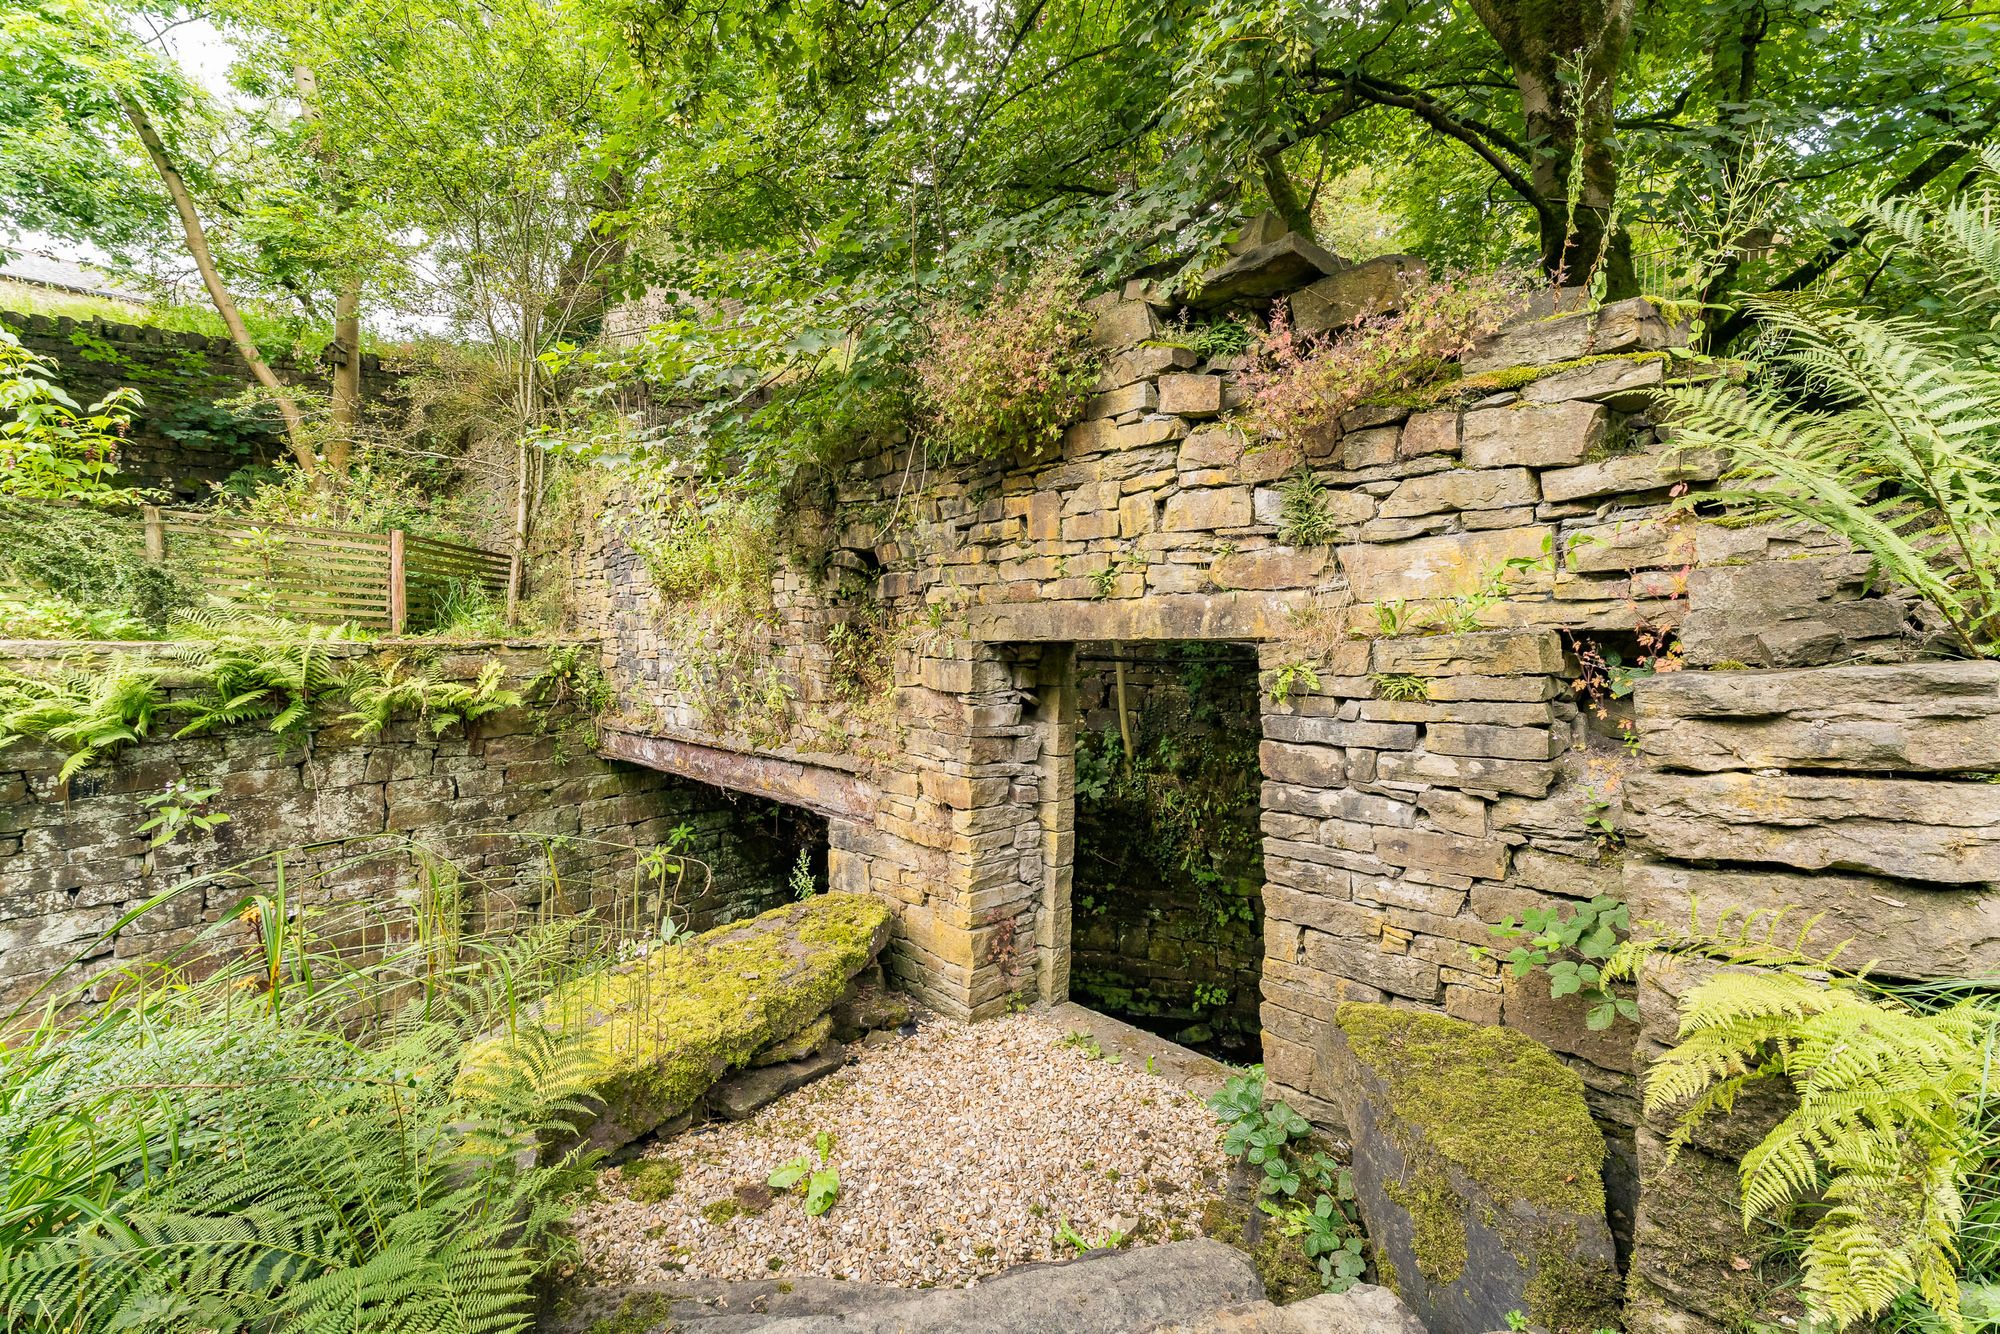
pixel 660 1030
pixel 651 1180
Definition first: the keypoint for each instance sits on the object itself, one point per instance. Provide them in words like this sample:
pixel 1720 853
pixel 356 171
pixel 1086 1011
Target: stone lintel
pixel 827 791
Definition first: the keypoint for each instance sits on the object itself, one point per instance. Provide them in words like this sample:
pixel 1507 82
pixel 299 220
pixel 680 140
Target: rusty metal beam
pixel 827 791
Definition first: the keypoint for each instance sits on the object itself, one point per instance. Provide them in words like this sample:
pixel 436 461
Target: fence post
pixel 156 533
pixel 399 590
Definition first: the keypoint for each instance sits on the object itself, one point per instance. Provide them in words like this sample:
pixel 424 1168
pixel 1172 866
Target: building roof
pixel 44 269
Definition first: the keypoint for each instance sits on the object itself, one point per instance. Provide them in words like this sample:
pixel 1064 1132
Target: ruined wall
pixel 181 441
pixel 488 799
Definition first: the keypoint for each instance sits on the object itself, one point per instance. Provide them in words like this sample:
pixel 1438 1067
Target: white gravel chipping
pixel 961 1150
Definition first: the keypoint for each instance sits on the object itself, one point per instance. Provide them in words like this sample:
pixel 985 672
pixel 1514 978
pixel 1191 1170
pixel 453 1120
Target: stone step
pixel 1109 1292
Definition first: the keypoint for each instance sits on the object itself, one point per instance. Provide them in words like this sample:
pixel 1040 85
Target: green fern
pixel 86 711
pixel 1905 462
pixel 378 698
pixel 1886 1133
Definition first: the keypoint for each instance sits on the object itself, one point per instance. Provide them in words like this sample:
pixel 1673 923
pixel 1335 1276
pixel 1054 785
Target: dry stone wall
pixel 1417 787
pixel 489 800
pixel 181 441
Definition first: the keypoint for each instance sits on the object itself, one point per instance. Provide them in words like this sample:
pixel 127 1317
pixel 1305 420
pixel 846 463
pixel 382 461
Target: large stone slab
pixel 664 1028
pixel 1364 1308
pixel 1927 717
pixel 1442 567
pixel 1477 1167
pixel 1908 829
pixel 1622 326
pixel 1905 930
pixel 1373 287
pixel 1283 265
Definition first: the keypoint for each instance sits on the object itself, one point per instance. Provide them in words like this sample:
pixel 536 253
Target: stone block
pixel 1477 1167
pixel 1283 265
pixel 1632 545
pixel 1789 613
pixel 1211 447
pixel 1373 287
pixel 1370 448
pixel 1461 489
pixel 1453 854
pixel 1206 510
pixel 1141 363
pixel 1534 435
pixel 1304 766
pixel 1270 567
pixel 1339 732
pixel 1905 930
pixel 1489 653
pixel 1140 397
pixel 1396 974
pixel 1494 742
pixel 1903 828
pixel 1929 717
pixel 1471 773
pixel 1632 474
pixel 1442 567
pixel 1625 383
pixel 1429 433
pixel 1118 323
pixel 1634 325
pixel 1190 395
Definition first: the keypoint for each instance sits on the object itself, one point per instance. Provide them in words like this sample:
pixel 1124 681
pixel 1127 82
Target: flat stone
pixel 670 1025
pixel 1930 717
pixel 1489 653
pixel 1626 384
pixel 1268 270
pixel 1118 323
pixel 1210 508
pixel 1632 474
pixel 1474 774
pixel 1803 612
pixel 1429 433
pixel 1373 287
pixel 1633 545
pixel 1190 395
pixel 1633 325
pixel 1499 742
pixel 806 1042
pixel 1442 567
pixel 1477 1167
pixel 742 1096
pixel 1534 435
pixel 1453 854
pixel 1908 829
pixel 1305 766
pixel 1906 930
pixel 1461 489
pixel 1364 1308
pixel 1270 567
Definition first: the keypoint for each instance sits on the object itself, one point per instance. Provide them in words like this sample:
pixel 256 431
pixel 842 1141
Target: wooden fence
pixel 381 581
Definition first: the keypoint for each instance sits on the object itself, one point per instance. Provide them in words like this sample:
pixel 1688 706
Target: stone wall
pixel 489 800
pixel 1418 787
pixel 181 441
pixel 1858 796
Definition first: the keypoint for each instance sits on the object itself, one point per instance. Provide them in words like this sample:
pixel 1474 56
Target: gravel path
pixel 961 1150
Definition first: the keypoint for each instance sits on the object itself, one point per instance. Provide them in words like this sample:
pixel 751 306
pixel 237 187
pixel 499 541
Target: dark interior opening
pixel 747 855
pixel 1167 897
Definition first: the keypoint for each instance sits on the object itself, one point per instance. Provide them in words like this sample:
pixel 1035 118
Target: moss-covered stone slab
pixel 662 1029
pixel 1478 1170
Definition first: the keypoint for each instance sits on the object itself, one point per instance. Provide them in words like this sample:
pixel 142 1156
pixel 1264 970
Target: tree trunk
pixel 346 376
pixel 211 278
pixel 1565 56
pixel 1285 200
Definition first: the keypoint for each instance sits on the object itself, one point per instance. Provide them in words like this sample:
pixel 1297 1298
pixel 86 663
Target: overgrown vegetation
pixel 1886 1163
pixel 284 1140
pixel 1007 376
pixel 1896 444
pixel 1307 1194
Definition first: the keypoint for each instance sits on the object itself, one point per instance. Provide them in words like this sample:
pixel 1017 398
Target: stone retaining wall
pixel 518 803
pixel 181 441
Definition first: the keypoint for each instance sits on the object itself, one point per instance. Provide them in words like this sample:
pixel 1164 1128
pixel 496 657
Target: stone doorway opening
pixel 743 855
pixel 1166 897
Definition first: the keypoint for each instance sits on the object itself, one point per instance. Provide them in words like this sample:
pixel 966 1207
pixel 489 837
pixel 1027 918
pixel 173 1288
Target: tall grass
pixel 269 1130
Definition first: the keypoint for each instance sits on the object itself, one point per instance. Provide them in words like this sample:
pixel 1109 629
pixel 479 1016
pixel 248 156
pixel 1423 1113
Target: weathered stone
pixel 1624 326
pixel 1141 363
pixel 1494 742
pixel 868 1006
pixel 1929 717
pixel 1625 383
pixel 1903 828
pixel 1461 489
pixel 1191 395
pixel 1477 1168
pixel 741 1096
pixel 1534 435
pixel 806 1042
pixel 1558 1022
pixel 1306 766
pixel 1429 433
pixel 1283 265
pixel 1788 613
pixel 670 1025
pixel 1215 507
pixel 1491 653
pixel 1397 974
pixel 1905 930
pixel 1339 732
pixel 1362 1309
pixel 1630 474
pixel 1214 446
pixel 1117 323
pixel 1630 546
pixel 1373 287
pixel 1270 567
pixel 1465 771
pixel 1450 853
pixel 1141 397
pixel 1369 448
pixel 1442 567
